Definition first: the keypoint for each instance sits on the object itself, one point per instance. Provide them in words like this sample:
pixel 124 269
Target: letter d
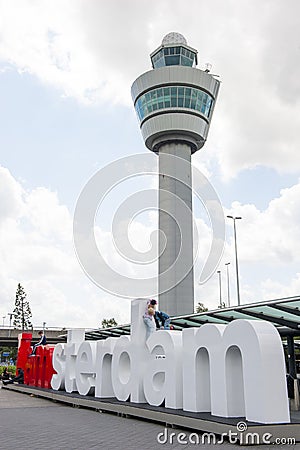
pixel 164 435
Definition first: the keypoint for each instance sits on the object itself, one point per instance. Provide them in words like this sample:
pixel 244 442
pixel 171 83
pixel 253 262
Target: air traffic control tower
pixel 174 103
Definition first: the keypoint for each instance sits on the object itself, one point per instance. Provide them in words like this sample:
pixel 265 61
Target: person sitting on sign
pixel 148 317
pixel 42 341
pixel 162 320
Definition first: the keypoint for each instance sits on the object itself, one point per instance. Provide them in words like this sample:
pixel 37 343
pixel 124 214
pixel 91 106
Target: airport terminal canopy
pixel 283 313
pixel 174 51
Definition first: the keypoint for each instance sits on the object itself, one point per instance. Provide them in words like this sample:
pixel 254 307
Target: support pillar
pixel 176 224
pixel 291 357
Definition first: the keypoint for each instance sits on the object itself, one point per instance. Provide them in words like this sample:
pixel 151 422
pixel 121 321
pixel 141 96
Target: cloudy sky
pixel 66 68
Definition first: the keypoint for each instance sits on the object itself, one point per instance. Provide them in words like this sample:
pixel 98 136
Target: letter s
pixel 59 363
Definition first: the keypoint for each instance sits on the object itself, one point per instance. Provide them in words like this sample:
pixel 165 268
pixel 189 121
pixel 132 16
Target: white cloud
pixel 84 49
pixel 94 50
pixel 37 250
pixel 272 235
pixel 10 196
pixel 46 215
pixel 273 289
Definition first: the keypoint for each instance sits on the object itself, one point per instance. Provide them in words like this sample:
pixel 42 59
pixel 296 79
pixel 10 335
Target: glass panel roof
pixel 195 320
pixel 212 319
pixel 268 310
pixel 234 315
pixel 192 323
pixel 295 304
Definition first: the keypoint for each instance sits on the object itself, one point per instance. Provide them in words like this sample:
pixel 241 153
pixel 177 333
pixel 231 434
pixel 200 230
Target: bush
pixel 11 369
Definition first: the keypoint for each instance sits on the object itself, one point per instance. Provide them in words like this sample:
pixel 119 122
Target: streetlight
pixel 3 317
pixel 228 290
pixel 220 287
pixel 11 315
pixel 236 259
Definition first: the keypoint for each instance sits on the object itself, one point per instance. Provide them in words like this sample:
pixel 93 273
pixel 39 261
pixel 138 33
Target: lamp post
pixel 236 259
pixel 3 317
pixel 228 289
pixel 220 287
pixel 11 315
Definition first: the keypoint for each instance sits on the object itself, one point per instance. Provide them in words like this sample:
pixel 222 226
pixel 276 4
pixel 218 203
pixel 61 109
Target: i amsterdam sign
pixel 235 370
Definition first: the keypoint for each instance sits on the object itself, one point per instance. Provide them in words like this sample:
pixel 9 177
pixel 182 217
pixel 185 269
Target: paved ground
pixel 33 423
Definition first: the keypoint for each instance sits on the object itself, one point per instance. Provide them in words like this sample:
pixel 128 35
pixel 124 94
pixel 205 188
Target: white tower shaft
pixel 176 250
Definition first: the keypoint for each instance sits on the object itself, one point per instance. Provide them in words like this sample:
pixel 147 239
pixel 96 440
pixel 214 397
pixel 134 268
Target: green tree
pixel 22 311
pixel 201 308
pixel 107 323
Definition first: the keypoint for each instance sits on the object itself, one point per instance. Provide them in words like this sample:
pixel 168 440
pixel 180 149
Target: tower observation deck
pixel 174 103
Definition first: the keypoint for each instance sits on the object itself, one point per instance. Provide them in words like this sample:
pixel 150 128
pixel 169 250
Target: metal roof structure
pixel 283 313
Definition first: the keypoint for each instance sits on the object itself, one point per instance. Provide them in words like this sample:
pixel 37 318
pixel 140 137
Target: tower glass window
pixel 174 97
pixel 173 56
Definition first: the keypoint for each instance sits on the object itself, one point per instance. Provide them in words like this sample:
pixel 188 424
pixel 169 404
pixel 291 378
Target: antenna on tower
pixel 208 67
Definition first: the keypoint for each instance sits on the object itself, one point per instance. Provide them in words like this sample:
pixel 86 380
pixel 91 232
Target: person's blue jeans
pixel 167 324
pixel 150 326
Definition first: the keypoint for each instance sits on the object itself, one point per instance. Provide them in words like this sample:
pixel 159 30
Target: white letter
pixel 203 373
pixel 163 377
pixel 74 339
pixel 130 357
pixel 85 367
pixel 266 438
pixel 59 364
pixel 252 350
pixel 180 438
pixel 194 438
pixel 163 434
pixel 103 385
pixel 122 372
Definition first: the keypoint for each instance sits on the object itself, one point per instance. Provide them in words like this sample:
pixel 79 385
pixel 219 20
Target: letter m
pixel 237 370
